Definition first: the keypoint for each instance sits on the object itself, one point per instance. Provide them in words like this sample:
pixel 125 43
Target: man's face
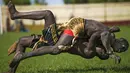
pixel 120 45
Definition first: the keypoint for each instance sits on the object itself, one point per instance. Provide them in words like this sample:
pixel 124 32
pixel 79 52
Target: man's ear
pixel 114 29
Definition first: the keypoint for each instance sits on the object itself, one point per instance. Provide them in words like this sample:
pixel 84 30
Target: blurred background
pixel 109 12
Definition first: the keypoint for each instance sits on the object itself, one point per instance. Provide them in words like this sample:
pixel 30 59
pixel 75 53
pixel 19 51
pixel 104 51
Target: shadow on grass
pixel 122 69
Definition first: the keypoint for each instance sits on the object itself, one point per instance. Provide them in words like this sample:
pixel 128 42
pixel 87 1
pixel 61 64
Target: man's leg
pixel 26 41
pixel 35 15
pixel 13 69
pixel 64 40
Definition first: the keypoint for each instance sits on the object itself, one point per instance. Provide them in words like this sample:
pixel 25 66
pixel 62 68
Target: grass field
pixel 63 63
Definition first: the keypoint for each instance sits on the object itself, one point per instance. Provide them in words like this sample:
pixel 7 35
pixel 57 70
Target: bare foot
pixel 12 10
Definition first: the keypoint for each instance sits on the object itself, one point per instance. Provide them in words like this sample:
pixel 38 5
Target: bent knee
pixel 21 40
pixel 48 12
pixel 25 41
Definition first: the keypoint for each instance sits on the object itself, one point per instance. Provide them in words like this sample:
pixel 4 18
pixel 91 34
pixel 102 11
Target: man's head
pixel 120 45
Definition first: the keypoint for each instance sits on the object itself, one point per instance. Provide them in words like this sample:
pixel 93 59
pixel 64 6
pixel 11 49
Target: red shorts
pixel 69 32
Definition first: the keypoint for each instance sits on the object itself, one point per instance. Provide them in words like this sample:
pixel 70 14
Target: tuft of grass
pixel 63 63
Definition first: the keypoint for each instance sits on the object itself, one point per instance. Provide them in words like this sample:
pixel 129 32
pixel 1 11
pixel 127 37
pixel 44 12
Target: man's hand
pixel 114 29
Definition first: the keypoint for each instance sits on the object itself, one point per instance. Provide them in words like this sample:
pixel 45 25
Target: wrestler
pixel 92 30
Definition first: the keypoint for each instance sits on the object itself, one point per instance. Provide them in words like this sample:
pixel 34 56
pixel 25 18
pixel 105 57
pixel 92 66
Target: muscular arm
pixel 92 41
pixel 91 47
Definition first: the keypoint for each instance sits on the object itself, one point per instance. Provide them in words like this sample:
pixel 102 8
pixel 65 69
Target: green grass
pixel 63 63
